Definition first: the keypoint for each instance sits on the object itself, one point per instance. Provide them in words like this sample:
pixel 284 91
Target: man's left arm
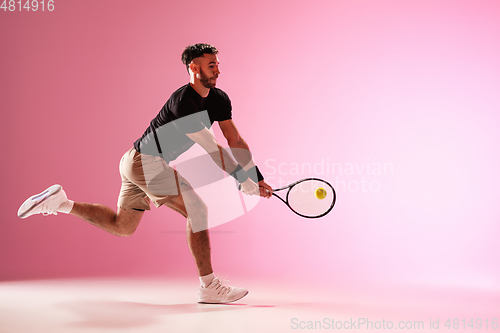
pixel 241 153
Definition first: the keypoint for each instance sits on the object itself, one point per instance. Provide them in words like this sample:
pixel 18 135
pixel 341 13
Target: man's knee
pixel 199 209
pixel 198 217
pixel 125 231
pixel 126 222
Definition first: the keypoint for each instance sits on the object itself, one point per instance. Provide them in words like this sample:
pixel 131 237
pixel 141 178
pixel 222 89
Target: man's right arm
pixel 220 156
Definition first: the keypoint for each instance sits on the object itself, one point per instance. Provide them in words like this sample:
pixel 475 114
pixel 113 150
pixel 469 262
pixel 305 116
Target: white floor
pixel 147 305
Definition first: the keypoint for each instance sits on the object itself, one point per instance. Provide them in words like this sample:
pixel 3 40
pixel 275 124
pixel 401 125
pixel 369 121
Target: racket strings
pixel 305 200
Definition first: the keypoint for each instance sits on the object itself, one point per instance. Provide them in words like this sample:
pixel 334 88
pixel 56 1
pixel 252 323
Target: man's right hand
pixel 249 187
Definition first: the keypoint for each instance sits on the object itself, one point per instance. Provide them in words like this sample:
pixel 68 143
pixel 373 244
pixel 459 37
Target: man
pixel 184 120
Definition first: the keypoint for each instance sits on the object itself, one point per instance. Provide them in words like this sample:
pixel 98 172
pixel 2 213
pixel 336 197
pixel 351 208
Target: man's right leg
pixel 122 223
pixel 53 200
pixel 125 221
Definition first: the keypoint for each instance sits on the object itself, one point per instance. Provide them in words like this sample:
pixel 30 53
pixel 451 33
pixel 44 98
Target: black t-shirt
pixel 184 112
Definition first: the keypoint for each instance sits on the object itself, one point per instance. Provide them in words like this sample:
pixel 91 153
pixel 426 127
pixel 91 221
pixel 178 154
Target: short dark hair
pixel 195 51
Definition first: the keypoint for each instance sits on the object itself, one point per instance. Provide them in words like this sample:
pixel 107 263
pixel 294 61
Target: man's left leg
pixel 212 289
pixel 198 242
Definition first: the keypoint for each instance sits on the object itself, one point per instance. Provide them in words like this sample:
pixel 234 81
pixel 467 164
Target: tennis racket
pixel 309 197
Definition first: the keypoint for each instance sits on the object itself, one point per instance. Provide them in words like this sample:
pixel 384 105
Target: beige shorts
pixel 147 178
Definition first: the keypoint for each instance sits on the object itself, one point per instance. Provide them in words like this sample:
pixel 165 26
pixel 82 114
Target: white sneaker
pixel 217 292
pixel 46 202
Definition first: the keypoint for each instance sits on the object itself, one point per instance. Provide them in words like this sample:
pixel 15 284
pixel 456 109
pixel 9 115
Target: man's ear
pixel 194 67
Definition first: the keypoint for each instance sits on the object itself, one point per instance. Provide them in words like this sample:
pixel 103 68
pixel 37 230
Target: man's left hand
pixel 265 190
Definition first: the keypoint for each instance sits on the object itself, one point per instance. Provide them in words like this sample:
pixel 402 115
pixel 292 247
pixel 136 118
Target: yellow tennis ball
pixel 320 193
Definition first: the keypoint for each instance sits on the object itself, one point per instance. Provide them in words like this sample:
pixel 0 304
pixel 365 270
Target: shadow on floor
pixel 115 314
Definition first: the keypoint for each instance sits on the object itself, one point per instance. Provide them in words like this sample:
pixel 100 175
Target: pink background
pixel 411 86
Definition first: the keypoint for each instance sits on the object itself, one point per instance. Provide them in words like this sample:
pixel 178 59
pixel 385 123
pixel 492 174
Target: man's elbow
pixel 237 142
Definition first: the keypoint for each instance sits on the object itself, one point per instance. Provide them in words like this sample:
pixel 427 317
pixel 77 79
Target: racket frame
pixel 290 186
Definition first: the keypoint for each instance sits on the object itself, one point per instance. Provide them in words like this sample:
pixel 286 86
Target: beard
pixel 206 81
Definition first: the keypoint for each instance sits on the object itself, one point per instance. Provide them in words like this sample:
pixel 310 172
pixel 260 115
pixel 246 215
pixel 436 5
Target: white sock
pixel 66 207
pixel 207 279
